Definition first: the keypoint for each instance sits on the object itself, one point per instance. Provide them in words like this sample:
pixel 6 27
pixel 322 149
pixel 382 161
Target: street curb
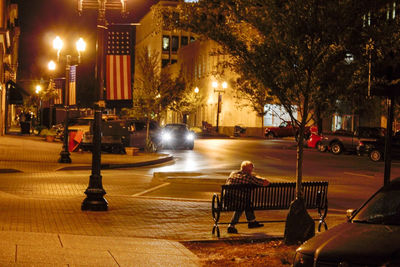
pixel 9 171
pixel 188 177
pixel 118 166
pixel 235 239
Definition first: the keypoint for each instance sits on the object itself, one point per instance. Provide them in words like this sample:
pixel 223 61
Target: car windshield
pixel 383 208
pixel 180 128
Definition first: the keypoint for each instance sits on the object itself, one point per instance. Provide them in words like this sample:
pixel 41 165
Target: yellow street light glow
pixel 58 43
pixel 224 85
pixel 51 65
pixel 214 84
pixel 196 90
pixel 80 45
pixel 38 89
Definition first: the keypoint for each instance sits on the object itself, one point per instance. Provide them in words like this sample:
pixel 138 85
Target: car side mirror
pixel 349 213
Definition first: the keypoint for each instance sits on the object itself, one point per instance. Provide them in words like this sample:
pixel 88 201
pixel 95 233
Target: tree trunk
pixel 299 225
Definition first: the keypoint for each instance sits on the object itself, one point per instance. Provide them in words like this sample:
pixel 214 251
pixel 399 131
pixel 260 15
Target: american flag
pixel 59 86
pixel 118 65
pixel 72 85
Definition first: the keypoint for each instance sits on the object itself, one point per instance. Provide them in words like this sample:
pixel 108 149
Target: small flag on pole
pixel 118 65
pixel 59 86
pixel 72 85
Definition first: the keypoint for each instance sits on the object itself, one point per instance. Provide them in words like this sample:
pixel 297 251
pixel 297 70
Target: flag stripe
pixel 72 86
pixel 59 84
pixel 118 65
pixel 118 77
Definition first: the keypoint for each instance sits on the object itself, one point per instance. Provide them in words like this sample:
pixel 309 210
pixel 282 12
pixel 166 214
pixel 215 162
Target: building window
pixel 184 40
pixel 173 61
pixel 175 44
pixel 164 62
pixel 192 39
pixel 165 43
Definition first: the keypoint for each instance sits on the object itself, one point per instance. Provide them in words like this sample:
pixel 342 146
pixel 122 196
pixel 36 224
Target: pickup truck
pixel 286 128
pixel 342 140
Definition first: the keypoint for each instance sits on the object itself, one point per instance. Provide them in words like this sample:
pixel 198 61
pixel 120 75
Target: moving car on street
pixel 177 135
pixel 342 140
pixel 370 237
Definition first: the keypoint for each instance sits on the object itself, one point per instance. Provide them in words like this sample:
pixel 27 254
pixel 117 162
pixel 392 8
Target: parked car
pixel 370 237
pixel 376 149
pixel 114 137
pixel 138 130
pixel 342 140
pixel 286 128
pixel 177 135
pixel 315 141
pixel 79 124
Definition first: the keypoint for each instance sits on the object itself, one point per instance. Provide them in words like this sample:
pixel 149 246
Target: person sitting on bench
pixel 244 176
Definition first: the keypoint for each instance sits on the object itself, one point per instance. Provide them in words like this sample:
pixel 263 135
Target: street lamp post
pixel 51 66
pixel 38 89
pixel 80 47
pixel 95 192
pixel 196 92
pixel 219 91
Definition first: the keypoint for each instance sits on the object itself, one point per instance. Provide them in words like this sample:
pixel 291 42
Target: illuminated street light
pixel 38 88
pixel 224 86
pixel 80 46
pixel 196 90
pixel 51 65
pixel 58 45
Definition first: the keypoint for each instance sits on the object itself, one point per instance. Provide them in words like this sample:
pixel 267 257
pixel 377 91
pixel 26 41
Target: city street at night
pixel 199 133
pixel 167 201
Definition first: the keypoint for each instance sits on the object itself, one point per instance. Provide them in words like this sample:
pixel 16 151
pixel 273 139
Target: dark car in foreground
pixel 177 135
pixel 376 149
pixel 370 237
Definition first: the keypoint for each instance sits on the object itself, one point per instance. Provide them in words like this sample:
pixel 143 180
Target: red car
pixel 315 140
pixel 286 128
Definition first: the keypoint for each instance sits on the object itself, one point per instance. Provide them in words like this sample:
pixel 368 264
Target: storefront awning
pixel 15 93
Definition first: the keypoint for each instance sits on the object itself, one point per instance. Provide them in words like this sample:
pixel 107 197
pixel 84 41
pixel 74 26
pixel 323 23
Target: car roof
pixel 175 124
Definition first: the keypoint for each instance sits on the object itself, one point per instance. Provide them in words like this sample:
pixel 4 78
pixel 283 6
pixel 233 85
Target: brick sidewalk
pixel 24 153
pixel 42 223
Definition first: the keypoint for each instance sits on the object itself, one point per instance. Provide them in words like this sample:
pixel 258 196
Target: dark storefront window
pixel 184 40
pixel 164 62
pixel 175 44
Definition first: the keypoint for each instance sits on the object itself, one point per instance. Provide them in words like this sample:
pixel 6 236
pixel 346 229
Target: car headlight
pixel 301 260
pixel 166 136
pixel 190 136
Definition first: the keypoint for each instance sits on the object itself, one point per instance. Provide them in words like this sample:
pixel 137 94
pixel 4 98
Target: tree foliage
pixel 293 51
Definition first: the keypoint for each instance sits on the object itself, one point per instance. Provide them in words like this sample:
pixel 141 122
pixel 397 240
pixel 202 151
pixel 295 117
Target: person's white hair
pixel 246 165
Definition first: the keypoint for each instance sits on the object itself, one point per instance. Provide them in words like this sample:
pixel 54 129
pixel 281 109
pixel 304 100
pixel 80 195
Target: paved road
pixel 352 179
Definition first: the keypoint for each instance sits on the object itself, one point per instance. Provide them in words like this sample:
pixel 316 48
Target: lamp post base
pixel 64 157
pixel 95 200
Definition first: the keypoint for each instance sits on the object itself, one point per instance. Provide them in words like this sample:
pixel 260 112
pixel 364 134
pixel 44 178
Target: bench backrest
pixel 273 196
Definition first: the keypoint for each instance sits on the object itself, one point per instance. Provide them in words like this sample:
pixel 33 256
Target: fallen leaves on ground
pixel 242 252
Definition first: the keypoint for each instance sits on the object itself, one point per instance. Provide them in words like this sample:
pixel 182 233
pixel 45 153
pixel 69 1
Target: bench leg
pixel 216 227
pixel 322 222
pixel 216 212
pixel 322 217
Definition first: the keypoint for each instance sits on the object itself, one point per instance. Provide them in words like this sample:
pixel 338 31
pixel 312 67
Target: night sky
pixel 42 20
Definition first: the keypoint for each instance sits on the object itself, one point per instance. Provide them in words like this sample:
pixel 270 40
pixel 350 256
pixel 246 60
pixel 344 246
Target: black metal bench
pixel 275 196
